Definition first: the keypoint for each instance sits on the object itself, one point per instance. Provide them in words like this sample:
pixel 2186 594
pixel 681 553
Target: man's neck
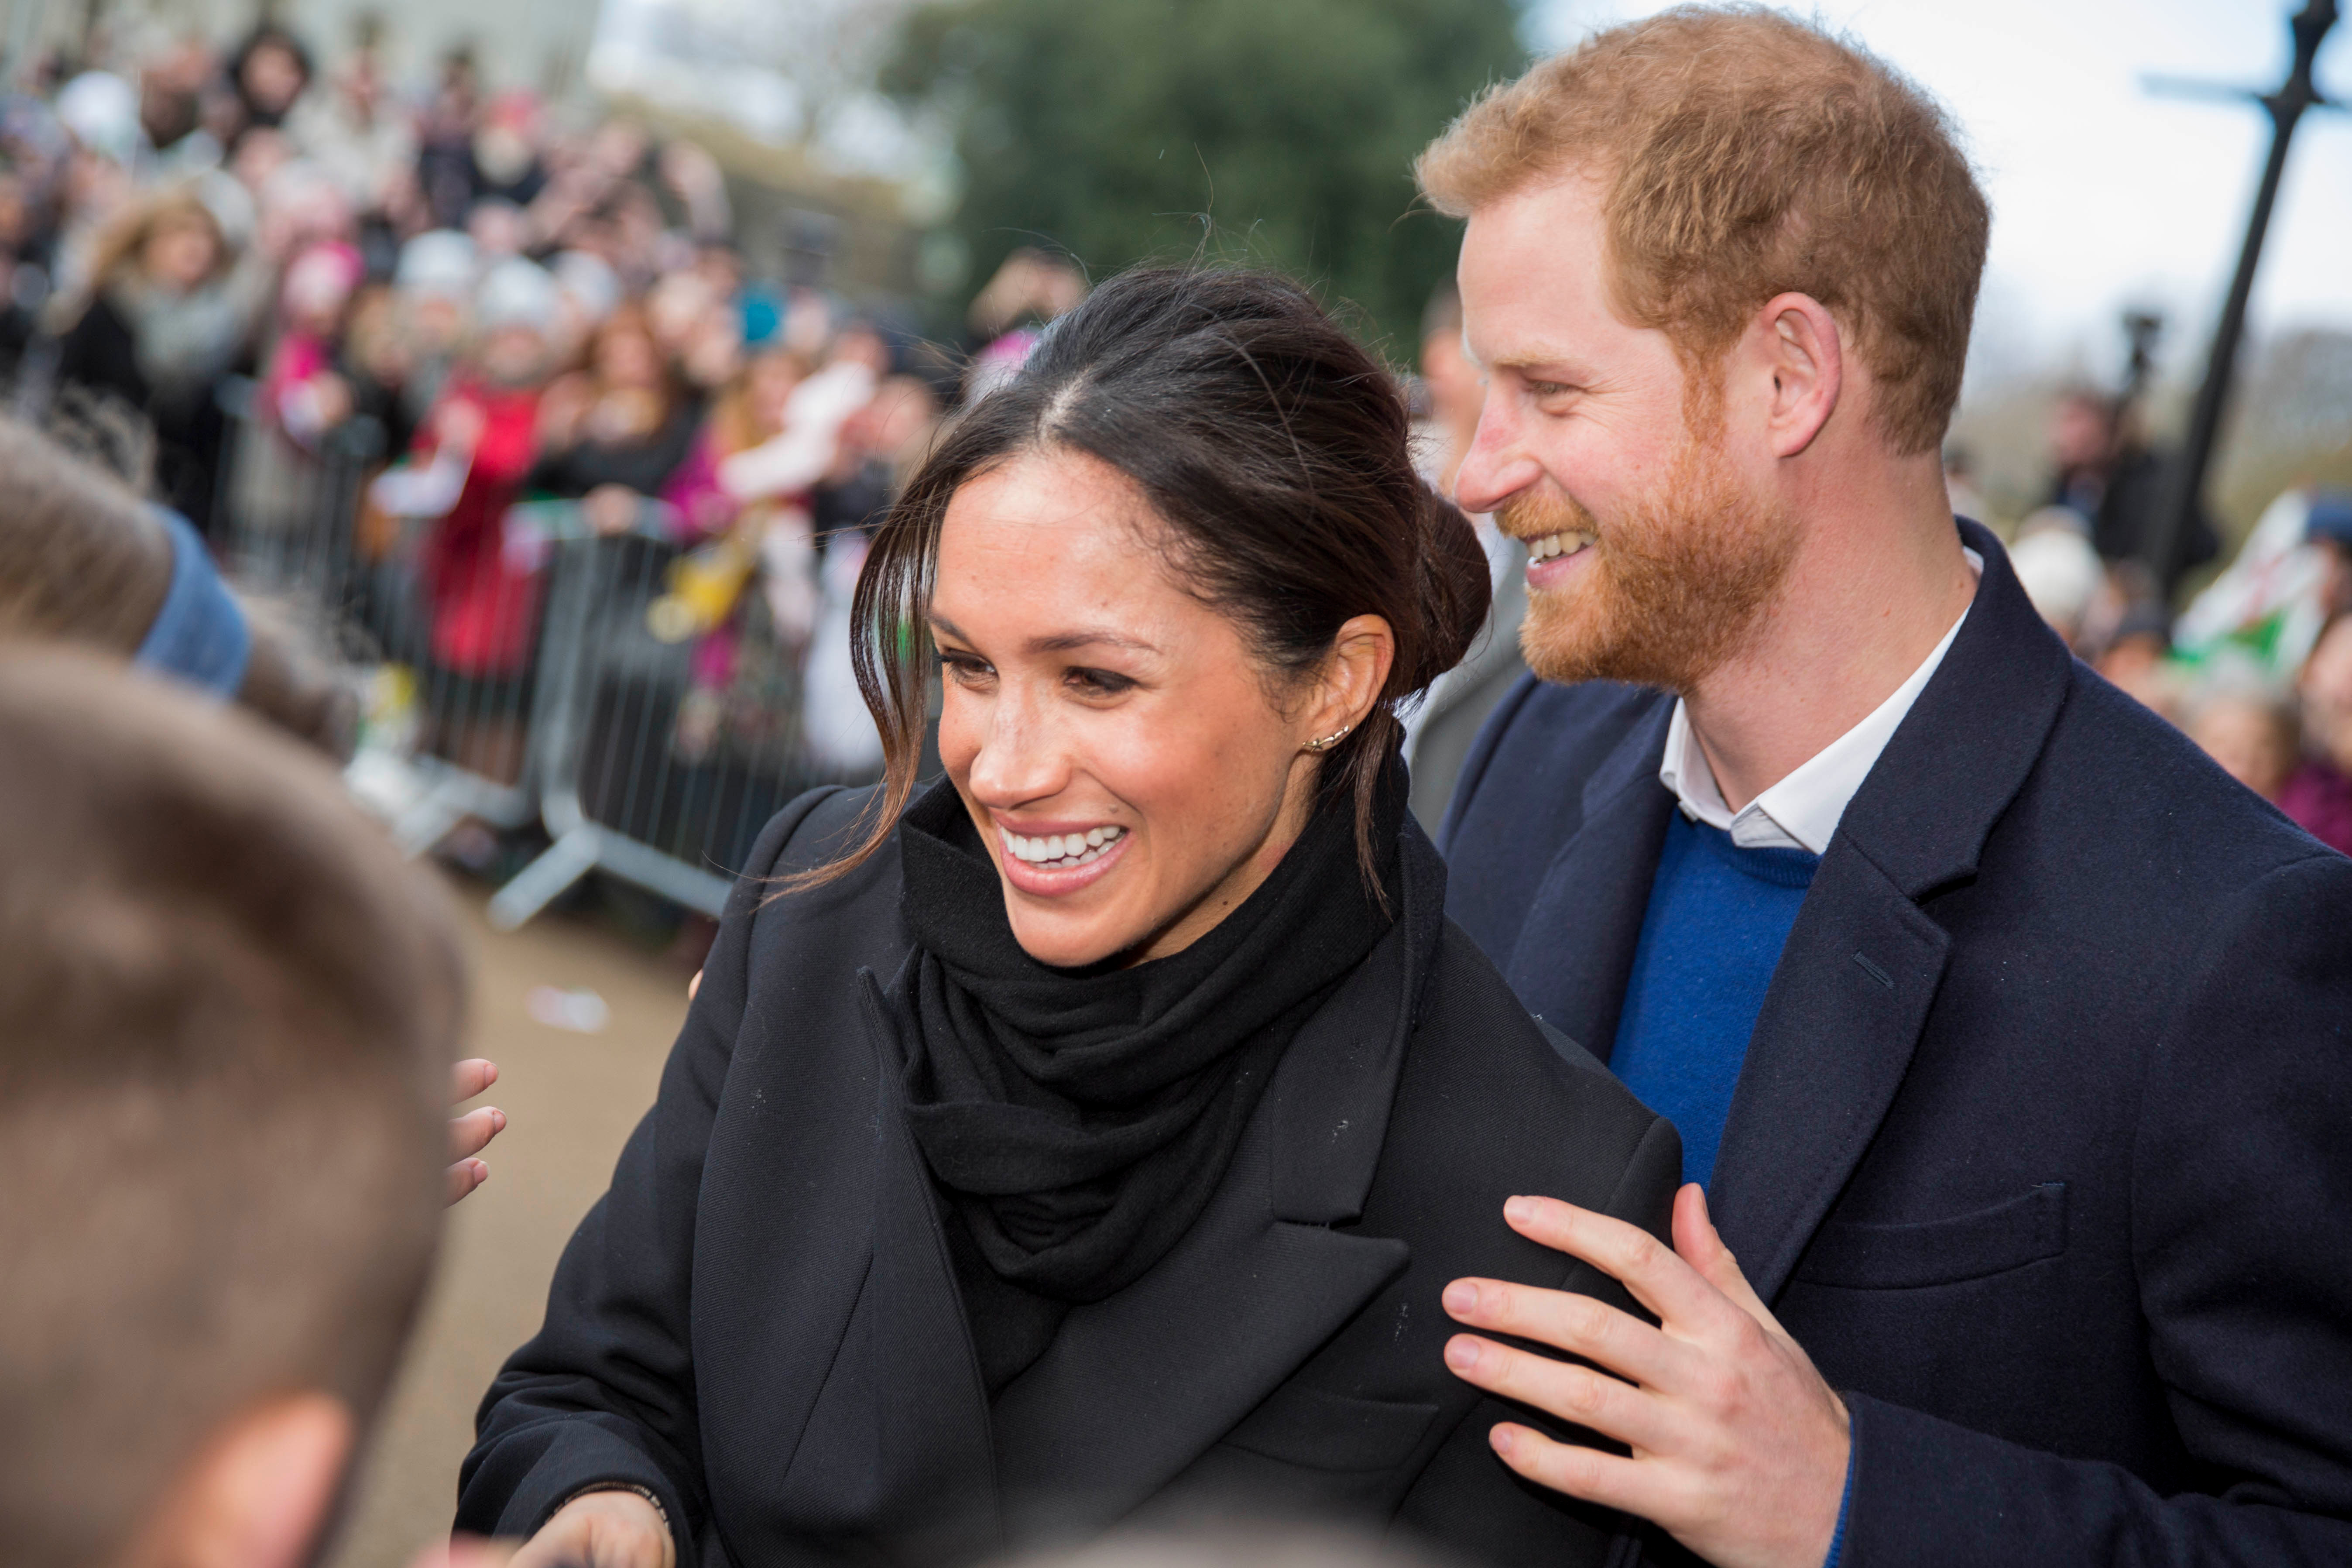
pixel 1878 581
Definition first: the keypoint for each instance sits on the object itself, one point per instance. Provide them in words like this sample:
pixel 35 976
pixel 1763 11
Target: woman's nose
pixel 1020 758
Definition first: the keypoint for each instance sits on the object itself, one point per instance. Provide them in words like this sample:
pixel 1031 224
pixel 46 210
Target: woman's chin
pixel 1054 922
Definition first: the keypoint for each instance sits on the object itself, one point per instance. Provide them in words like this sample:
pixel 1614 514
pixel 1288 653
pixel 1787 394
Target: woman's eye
pixel 1100 682
pixel 963 668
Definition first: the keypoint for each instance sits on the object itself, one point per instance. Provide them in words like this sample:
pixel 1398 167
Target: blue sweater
pixel 1717 919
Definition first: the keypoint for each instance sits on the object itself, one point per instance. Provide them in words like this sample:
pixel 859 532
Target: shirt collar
pixel 1801 811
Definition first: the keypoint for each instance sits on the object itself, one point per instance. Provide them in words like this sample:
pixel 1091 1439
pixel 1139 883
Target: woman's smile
pixel 1053 864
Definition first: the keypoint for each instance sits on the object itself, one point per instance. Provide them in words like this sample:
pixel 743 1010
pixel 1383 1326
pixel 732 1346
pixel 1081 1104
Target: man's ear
pixel 1804 355
pixel 259 1493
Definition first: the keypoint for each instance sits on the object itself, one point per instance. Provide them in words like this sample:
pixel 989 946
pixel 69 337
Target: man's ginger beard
pixel 1675 582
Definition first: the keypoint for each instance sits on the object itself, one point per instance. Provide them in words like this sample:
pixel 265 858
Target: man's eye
pixel 1100 682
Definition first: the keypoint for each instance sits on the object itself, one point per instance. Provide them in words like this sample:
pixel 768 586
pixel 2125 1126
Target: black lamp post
pixel 2176 517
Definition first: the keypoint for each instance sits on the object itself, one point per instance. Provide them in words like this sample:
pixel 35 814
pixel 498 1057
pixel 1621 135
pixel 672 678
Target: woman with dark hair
pixel 1093 1131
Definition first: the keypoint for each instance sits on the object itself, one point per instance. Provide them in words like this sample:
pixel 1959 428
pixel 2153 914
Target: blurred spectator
pixel 2318 795
pixel 2106 471
pixel 2250 729
pixel 481 576
pixel 168 310
pixel 268 73
pixel 303 389
pixel 1438 733
pixel 612 435
pixel 2136 658
pixel 2058 570
pixel 1029 290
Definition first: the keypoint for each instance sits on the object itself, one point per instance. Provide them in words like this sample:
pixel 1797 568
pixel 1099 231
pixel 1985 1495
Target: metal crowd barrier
pixel 648 749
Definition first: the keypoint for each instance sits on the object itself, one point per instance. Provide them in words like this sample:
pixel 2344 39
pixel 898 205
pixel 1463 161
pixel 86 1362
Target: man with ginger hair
pixel 2011 1041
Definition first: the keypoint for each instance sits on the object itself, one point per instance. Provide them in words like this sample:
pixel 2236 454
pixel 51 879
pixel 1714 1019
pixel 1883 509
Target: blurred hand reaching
pixel 471 1134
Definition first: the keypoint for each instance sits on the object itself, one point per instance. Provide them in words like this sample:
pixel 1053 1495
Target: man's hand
pixel 1739 1447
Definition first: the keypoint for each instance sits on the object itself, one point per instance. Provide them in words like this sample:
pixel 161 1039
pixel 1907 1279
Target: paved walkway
pixel 570 1100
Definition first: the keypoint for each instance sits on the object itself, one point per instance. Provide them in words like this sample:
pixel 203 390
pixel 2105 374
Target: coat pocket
pixel 1875 1256
pixel 1320 1431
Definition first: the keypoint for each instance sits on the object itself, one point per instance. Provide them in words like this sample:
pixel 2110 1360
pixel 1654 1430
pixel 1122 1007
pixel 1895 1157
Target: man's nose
pixel 1496 466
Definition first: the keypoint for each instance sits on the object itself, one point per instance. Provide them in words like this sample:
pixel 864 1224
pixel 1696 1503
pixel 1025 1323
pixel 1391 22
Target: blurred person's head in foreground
pixel 230 1010
pixel 2250 728
pixel 1720 364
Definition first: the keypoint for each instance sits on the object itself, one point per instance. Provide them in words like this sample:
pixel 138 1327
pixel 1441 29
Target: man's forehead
pixel 1532 279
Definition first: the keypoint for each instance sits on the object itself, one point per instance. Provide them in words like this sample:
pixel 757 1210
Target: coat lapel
pixel 1575 948
pixel 1859 971
pixel 1137 1387
pixel 899 1441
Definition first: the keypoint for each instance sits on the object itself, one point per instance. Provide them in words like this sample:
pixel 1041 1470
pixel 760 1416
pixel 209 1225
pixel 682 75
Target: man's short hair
pixel 227 1010
pixel 1743 155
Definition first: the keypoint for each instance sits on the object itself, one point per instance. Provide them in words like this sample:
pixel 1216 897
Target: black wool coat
pixel 760 1324
pixel 2042 1146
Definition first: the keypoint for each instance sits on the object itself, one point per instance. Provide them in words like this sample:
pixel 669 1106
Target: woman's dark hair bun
pixel 1456 589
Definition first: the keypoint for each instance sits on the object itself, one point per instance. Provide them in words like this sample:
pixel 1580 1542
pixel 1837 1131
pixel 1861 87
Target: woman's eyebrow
pixel 1062 642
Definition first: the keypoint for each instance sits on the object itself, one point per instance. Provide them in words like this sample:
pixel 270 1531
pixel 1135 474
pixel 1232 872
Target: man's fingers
pixel 469 1077
pixel 462 1178
pixel 1574 1394
pixel 1645 1266
pixel 1632 1485
pixel 472 1132
pixel 1568 1321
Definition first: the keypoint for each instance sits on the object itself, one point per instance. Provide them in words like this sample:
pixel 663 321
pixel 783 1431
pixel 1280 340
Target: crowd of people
pixel 1845 1082
pixel 493 302
pixel 2257 667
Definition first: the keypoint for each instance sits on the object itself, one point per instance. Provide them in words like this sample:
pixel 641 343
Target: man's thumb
pixel 1697 1240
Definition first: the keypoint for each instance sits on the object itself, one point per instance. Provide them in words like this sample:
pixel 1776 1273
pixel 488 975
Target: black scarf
pixel 1080 1119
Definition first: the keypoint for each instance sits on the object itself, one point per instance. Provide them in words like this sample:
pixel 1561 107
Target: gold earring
pixel 1328 741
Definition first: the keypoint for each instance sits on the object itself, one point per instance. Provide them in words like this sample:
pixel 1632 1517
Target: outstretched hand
pixel 1739 1447
pixel 471 1134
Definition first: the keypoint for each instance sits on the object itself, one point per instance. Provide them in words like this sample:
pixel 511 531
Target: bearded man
pixel 2010 1040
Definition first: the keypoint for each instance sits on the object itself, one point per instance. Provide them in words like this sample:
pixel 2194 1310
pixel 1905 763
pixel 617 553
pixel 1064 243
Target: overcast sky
pixel 2104 194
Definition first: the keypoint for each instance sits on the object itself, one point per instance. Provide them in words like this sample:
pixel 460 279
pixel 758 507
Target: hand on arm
pixel 1739 1448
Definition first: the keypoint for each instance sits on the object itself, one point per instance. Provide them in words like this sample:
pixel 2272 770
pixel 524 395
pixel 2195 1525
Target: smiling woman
pixel 1080 1134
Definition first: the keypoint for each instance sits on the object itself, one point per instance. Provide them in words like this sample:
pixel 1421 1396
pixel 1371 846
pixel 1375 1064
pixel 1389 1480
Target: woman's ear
pixel 1353 677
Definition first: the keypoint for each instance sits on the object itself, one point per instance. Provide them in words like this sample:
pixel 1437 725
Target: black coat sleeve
pixel 2241 1231
pixel 605 1395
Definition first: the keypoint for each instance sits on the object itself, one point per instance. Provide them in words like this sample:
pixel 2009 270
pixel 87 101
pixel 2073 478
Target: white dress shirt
pixel 1801 811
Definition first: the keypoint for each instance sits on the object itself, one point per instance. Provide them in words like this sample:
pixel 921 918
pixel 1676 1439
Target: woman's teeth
pixel 1061 852
pixel 1552 544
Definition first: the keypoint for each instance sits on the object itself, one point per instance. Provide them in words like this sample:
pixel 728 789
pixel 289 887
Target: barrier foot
pixel 537 885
